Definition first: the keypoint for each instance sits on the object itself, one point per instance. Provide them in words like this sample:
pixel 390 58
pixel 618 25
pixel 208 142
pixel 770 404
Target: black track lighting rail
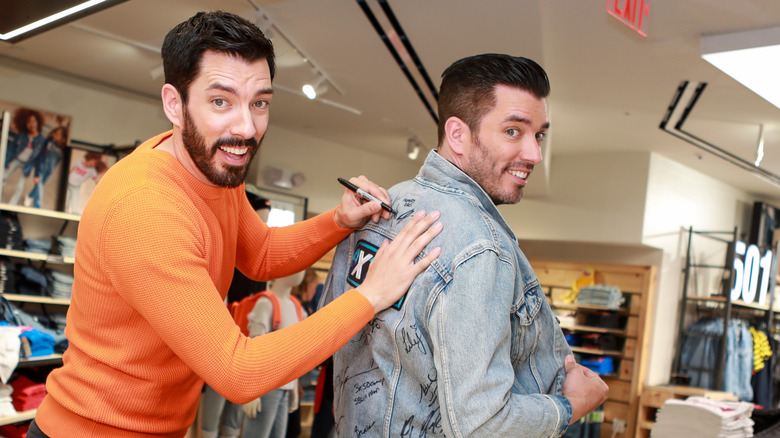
pixel 397 57
pixel 699 142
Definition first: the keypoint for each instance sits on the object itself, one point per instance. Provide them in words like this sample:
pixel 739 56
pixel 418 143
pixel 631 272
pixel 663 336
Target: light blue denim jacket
pixel 472 350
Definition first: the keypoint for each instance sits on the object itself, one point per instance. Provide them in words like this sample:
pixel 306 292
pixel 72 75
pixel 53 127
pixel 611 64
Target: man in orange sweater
pixel 158 241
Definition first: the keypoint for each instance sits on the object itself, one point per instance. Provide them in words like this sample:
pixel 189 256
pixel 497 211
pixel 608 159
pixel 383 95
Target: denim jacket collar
pixel 438 171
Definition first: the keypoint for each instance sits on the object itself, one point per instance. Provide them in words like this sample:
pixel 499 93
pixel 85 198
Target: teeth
pixel 234 150
pixel 519 174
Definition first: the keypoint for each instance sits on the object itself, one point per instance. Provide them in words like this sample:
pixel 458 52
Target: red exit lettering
pixel 631 12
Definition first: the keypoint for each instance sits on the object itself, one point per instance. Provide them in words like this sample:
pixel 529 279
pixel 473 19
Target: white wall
pixel 592 198
pixel 100 115
pixel 322 162
pixel 706 204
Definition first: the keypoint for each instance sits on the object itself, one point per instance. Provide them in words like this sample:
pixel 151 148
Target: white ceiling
pixel 610 86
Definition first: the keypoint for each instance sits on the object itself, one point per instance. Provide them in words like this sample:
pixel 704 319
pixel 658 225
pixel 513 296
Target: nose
pixel 244 124
pixel 531 151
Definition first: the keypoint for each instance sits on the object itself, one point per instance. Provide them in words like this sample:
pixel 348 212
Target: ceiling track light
pixel 413 146
pixel 315 88
pixel 271 29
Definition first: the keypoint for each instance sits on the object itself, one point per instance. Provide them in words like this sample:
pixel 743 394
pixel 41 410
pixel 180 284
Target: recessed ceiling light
pixel 752 58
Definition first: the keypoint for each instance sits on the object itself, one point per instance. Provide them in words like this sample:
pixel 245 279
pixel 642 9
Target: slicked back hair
pixel 468 86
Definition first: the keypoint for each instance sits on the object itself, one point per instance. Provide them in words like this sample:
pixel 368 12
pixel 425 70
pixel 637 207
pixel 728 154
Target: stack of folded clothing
pixel 41 344
pixel 66 246
pixel 60 284
pixel 31 281
pixel 10 347
pixel 37 246
pixel 700 417
pixel 58 321
pixel 7 276
pixel 600 295
pixel 6 402
pixel 599 365
pixel 10 231
pixel 27 394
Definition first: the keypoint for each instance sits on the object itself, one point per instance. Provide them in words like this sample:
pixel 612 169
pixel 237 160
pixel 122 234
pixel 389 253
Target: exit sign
pixel 631 12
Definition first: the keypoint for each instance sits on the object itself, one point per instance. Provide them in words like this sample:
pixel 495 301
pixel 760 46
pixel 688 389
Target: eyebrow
pixel 524 120
pixel 232 90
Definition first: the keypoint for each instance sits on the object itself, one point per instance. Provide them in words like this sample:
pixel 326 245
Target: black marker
pixel 365 195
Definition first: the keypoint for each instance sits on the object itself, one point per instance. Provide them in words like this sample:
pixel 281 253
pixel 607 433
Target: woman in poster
pixel 46 163
pixel 24 149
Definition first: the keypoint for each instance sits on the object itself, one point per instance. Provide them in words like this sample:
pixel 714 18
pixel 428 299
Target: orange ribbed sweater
pixel 147 322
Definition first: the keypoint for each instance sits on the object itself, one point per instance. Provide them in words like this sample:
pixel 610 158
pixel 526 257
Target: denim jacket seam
pixel 558 413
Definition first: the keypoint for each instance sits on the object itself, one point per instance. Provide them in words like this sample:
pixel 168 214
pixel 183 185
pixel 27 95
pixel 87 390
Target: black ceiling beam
pixel 397 57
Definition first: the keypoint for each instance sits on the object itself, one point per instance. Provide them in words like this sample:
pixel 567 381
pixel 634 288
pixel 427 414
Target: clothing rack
pixel 719 305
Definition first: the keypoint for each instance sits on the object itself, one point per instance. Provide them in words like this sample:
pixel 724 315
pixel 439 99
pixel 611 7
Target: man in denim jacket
pixel 473 349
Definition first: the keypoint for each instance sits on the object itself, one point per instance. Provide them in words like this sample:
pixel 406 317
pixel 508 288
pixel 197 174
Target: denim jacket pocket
pixel 526 334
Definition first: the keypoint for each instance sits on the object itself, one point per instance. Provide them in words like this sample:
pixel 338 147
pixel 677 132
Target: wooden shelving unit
pixel 637 284
pixel 51 219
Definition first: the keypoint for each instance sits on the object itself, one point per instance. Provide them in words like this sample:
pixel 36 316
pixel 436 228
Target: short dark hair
pixel 21 117
pixel 217 31
pixel 468 86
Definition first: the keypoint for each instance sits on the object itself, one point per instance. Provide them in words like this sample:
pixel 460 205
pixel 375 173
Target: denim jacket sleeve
pixel 498 373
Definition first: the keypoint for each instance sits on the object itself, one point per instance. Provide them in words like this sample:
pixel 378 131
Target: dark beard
pixel 487 180
pixel 229 176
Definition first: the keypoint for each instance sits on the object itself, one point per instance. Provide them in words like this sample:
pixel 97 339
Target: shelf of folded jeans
pixel 18 417
pixel 596 351
pixel 587 328
pixel 49 359
pixel 21 298
pixel 40 212
pixel 51 258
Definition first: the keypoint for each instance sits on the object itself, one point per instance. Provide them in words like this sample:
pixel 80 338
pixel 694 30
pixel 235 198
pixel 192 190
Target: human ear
pixel 458 135
pixel 172 105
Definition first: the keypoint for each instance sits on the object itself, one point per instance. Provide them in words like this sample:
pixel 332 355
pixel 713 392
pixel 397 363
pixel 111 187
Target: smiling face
pixel 225 118
pixel 507 145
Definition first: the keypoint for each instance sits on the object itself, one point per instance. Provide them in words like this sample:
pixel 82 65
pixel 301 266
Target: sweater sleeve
pixel 157 262
pixel 264 253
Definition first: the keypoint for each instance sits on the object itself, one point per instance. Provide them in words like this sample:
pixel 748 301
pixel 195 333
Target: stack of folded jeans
pixel 58 320
pixel 31 281
pixel 60 284
pixel 66 246
pixel 600 295
pixel 10 232
pixel 38 246
pixel 7 276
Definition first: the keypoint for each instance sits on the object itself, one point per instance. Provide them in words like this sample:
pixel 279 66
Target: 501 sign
pixel 750 267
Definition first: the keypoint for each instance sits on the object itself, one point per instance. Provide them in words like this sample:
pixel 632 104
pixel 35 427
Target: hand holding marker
pixel 365 195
